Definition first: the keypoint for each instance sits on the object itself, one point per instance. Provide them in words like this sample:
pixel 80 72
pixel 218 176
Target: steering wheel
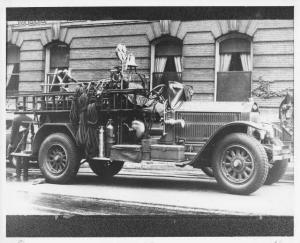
pixel 143 79
pixel 156 93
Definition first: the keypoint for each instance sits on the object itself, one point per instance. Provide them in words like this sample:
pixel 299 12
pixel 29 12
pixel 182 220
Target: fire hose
pixel 74 113
pixel 84 114
pixel 92 137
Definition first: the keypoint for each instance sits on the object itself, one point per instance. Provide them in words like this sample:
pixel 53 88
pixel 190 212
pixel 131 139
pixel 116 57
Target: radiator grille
pixel 200 126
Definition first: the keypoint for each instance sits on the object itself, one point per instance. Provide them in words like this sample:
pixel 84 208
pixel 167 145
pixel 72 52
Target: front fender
pixel 202 158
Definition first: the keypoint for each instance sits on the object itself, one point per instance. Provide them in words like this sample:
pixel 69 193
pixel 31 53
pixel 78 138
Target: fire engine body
pixel 224 139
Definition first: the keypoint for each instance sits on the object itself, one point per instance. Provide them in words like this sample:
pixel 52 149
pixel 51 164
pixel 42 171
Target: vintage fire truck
pixel 109 122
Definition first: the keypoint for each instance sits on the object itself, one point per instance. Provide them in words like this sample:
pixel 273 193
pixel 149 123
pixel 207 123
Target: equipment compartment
pixel 126 152
pixel 162 152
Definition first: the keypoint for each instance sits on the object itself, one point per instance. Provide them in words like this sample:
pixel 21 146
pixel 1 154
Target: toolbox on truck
pixel 126 152
pixel 162 152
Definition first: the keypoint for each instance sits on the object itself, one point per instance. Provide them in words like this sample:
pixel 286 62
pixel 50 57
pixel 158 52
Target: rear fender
pixel 49 128
pixel 203 157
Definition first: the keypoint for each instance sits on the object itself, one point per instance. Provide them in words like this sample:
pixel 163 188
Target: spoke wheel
pixel 240 164
pixel 237 164
pixel 58 158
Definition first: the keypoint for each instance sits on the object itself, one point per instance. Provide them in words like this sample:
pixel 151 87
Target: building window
pixel 56 59
pixel 12 68
pixel 235 55
pixel 234 68
pixel 167 60
pixel 59 56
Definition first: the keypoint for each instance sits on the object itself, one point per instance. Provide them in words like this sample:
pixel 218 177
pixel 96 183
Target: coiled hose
pixel 92 134
pixel 82 129
pixel 74 113
pixel 85 115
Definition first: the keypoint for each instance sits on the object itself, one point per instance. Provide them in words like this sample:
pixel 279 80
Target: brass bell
pixel 131 61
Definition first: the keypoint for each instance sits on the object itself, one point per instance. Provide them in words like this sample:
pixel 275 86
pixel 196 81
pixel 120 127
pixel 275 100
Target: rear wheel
pixel 240 164
pixel 58 158
pixel 276 172
pixel 106 169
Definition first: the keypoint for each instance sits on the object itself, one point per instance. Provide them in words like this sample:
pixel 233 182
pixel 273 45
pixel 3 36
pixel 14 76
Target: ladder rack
pixel 57 102
pixel 32 103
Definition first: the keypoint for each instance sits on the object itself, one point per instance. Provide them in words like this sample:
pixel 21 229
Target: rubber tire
pixel 260 164
pixel 104 171
pixel 73 158
pixel 276 172
pixel 208 171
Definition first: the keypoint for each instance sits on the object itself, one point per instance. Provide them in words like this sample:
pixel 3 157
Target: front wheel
pixel 106 169
pixel 240 164
pixel 58 158
pixel 276 172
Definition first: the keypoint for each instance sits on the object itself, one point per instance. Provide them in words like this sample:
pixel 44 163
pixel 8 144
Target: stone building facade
pixel 222 59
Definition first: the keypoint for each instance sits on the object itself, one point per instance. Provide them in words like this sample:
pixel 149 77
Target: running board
pixel 188 156
pixel 99 159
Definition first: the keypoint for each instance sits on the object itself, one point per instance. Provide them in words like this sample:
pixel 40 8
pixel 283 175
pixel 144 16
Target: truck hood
pixel 200 106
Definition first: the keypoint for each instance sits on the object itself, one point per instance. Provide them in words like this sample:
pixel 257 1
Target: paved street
pixel 143 190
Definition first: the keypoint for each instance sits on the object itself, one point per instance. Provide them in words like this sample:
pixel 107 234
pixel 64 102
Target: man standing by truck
pixel 19 127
